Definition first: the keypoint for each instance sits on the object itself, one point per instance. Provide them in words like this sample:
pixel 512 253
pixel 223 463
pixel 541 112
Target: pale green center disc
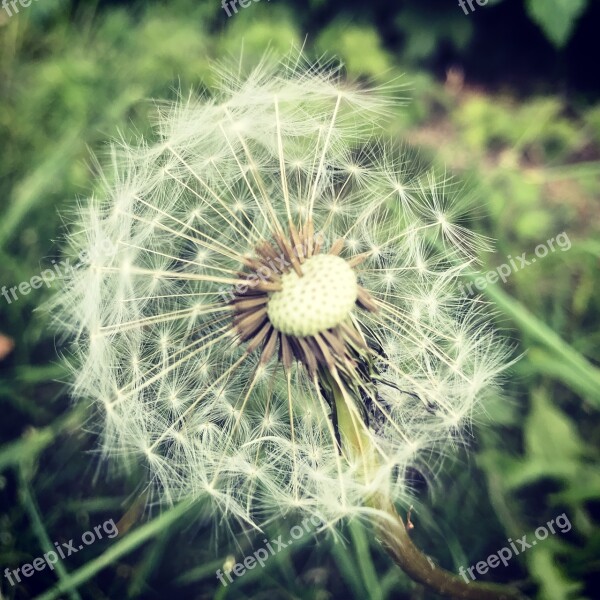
pixel 321 299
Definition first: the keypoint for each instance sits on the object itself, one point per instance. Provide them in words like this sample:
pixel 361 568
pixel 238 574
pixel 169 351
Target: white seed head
pixel 319 300
pixel 208 373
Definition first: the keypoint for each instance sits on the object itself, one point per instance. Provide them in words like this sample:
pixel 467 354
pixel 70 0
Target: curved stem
pixel 394 536
pixel 390 527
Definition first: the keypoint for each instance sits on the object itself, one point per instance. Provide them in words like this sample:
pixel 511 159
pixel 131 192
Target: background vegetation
pixel 503 97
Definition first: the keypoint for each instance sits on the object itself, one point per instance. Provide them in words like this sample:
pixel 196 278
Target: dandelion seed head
pixel 267 249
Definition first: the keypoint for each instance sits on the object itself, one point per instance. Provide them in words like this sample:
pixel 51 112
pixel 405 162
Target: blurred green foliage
pixel 557 18
pixel 73 76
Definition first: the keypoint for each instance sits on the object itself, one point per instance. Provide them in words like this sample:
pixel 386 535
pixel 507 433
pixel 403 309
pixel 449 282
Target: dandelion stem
pixel 391 530
pixel 393 534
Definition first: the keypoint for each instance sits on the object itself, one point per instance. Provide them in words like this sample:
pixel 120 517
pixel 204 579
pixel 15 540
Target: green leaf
pixel 359 47
pixel 550 437
pixel 588 374
pixel 121 548
pixel 556 17
pixel 554 585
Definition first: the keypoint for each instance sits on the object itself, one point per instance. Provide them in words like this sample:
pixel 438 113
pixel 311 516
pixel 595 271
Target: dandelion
pixel 278 327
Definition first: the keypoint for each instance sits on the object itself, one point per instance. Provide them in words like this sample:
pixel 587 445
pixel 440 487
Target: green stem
pixel 37 525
